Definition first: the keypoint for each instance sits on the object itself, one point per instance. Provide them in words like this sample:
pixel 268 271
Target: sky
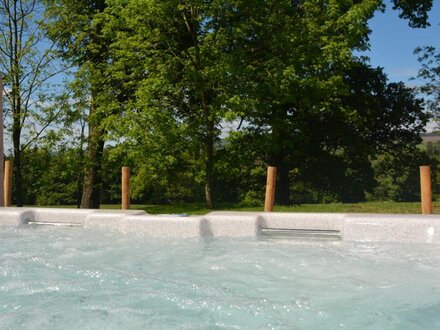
pixel 393 42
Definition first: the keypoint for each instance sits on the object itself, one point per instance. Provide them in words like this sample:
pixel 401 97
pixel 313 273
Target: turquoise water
pixel 72 278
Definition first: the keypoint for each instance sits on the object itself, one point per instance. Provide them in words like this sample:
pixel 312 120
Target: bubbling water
pixel 75 278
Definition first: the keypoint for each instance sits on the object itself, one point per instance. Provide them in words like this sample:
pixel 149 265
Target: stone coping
pixel 352 226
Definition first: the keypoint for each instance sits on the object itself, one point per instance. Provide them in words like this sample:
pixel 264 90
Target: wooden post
pixel 8 183
pixel 270 188
pixel 125 196
pixel 2 196
pixel 425 188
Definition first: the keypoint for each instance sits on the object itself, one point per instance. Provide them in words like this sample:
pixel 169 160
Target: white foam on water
pixel 70 278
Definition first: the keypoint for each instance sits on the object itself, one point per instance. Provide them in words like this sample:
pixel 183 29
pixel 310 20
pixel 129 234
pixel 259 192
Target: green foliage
pixel 370 118
pixel 30 67
pixel 176 55
pixel 429 59
pixel 416 11
pixel 31 70
pixel 49 178
pixel 57 185
pixel 35 163
pixel 160 78
pixel 398 178
pixel 432 150
pixel 240 174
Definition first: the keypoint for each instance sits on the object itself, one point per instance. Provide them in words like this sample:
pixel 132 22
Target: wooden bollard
pixel 7 184
pixel 270 188
pixel 125 195
pixel 425 189
pixel 2 178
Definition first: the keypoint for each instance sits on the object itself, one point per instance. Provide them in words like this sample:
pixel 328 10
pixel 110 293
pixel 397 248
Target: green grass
pixel 367 207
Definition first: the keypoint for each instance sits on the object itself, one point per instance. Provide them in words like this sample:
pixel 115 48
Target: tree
pixel 371 118
pixel 398 177
pixel 429 59
pixel 293 59
pixel 415 11
pixel 382 119
pixel 181 50
pixel 30 64
pixel 71 25
pixel 269 62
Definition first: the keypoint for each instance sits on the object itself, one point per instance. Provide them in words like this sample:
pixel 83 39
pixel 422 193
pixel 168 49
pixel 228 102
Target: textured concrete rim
pixel 352 226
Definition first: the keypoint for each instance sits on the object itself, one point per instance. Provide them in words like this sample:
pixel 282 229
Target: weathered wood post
pixel 270 188
pixel 2 198
pixel 125 195
pixel 8 183
pixel 425 189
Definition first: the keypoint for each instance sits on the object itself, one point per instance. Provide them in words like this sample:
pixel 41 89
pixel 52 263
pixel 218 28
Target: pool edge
pixel 352 226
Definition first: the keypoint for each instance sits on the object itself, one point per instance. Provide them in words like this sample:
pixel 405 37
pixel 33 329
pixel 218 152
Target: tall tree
pixel 30 64
pixel 269 62
pixel 71 25
pixel 293 59
pixel 180 48
pixel 372 117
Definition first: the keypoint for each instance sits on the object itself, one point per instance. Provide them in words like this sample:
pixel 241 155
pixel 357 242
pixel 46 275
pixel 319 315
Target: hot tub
pixel 105 269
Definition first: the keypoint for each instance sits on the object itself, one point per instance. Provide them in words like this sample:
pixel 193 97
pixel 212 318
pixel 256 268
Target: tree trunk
pixel 91 196
pixel 18 178
pixel 282 196
pixel 78 192
pixel 209 163
pixel 278 159
pixel 209 151
pixel 80 176
pixel 190 18
pixel 14 58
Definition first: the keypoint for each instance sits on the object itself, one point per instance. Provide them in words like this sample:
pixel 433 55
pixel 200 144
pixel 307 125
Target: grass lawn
pixel 367 207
